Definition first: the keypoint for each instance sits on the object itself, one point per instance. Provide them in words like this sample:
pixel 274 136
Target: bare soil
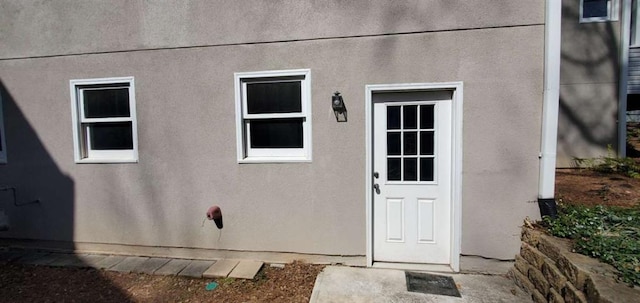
pixel 586 187
pixel 29 283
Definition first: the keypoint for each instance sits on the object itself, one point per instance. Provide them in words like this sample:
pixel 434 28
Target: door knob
pixel 376 187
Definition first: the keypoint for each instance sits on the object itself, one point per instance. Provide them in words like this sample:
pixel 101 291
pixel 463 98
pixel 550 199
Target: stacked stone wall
pixel 548 269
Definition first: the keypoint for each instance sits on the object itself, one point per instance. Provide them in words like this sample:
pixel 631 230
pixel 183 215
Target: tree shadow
pixel 31 174
pixel 589 92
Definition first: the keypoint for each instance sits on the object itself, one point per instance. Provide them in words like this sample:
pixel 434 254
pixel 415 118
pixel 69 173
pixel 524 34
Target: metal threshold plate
pixel 431 284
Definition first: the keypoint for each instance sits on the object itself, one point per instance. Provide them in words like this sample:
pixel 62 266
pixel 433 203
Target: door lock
pixel 376 175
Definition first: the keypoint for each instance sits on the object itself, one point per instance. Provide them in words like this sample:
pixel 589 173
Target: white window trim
pixel 3 141
pixel 246 155
pixel 613 8
pixel 102 156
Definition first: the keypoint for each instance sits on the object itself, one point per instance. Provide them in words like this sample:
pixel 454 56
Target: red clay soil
pixel 29 283
pixel 582 186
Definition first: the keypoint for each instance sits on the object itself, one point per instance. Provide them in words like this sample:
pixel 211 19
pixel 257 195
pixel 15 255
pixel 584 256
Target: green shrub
pixel 611 164
pixel 606 233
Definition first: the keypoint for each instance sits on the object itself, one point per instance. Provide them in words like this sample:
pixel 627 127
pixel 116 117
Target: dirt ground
pixel 581 186
pixel 30 283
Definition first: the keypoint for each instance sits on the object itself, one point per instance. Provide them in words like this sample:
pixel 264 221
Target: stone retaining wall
pixel 550 272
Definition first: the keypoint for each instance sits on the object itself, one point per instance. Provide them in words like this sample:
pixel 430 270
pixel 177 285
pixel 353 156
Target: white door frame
pixel 456 157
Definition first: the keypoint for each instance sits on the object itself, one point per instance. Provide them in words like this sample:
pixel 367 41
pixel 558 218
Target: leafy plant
pixel 609 234
pixel 610 164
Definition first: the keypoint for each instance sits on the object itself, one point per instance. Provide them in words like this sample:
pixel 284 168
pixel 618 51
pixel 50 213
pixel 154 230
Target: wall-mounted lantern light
pixel 339 109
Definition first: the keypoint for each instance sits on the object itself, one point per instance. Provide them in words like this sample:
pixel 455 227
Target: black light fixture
pixel 339 109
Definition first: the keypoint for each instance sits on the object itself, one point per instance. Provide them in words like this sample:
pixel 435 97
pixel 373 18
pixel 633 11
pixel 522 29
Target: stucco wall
pixel 186 130
pixel 588 86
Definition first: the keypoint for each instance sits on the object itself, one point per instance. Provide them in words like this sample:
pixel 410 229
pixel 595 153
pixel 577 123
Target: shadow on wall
pixel 589 92
pixel 34 175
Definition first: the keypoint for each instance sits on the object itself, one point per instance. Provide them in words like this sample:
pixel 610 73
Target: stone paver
pixel 173 267
pixel 151 265
pixel 109 261
pixel 30 258
pixel 196 268
pixel 246 269
pixel 89 260
pixel 47 259
pixel 128 264
pixel 10 256
pixel 65 260
pixel 221 268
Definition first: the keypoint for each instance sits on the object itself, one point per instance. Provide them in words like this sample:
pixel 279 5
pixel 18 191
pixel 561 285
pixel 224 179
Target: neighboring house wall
pixel 183 58
pixel 588 86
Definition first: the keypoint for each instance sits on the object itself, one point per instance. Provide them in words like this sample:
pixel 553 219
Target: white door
pixel 412 200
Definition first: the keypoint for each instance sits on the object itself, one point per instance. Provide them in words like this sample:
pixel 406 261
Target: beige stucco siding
pixel 183 58
pixel 41 28
pixel 187 144
pixel 588 86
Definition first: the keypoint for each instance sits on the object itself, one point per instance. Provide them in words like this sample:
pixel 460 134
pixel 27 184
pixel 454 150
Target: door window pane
pixel 410 169
pixel 277 97
pixel 393 169
pixel 426 143
pixel 410 143
pixel 410 116
pixel 393 117
pixel 108 136
pixel 106 103
pixel 276 133
pixel 393 144
pixel 426 116
pixel 426 169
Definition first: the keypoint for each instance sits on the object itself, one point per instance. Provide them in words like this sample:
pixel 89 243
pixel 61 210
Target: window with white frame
pixel 273 116
pixel 104 120
pixel 3 142
pixel 598 10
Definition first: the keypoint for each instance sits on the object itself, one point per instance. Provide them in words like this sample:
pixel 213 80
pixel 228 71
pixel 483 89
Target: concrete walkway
pixel 349 284
pixel 243 269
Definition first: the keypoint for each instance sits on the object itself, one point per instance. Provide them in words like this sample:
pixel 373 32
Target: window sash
pixel 247 154
pixel 612 13
pixel 83 152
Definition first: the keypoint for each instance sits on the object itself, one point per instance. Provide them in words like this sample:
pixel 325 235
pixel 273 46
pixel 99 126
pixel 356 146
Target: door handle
pixel 376 187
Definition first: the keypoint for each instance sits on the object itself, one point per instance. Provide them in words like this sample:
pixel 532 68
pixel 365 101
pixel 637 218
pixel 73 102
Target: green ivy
pixel 606 233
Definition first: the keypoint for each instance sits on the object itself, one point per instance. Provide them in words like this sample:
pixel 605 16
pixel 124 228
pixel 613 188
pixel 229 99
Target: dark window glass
pixel 276 133
pixel 410 143
pixel 410 169
pixel 410 117
pixel 426 116
pixel 426 169
pixel 393 169
pixel 393 117
pixel 111 136
pixel 595 8
pixel 275 97
pixel 393 144
pixel 426 143
pixel 106 103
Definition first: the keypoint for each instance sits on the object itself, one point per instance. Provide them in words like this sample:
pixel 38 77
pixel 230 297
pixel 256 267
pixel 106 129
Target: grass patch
pixel 606 233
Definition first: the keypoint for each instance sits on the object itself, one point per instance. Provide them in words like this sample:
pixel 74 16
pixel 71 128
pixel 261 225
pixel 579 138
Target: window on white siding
pixel 3 142
pixel 273 115
pixel 635 25
pixel 598 10
pixel 104 123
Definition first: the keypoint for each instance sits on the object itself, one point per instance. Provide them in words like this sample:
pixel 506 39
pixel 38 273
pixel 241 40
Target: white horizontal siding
pixel 633 83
